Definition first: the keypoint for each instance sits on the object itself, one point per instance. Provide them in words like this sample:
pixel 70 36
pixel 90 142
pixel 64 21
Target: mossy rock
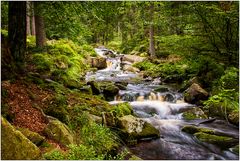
pixel 134 157
pixel 222 141
pixel 161 89
pixel 195 94
pixel 123 109
pixel 195 113
pixel 15 146
pixel 95 87
pixel 193 129
pixel 32 136
pixel 59 132
pixel 135 128
pixel 109 90
pixel 233 117
pixel 235 149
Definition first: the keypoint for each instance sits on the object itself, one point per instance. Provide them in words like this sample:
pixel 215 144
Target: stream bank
pixel 164 107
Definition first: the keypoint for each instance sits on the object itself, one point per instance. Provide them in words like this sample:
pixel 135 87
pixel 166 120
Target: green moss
pixel 235 149
pixel 58 108
pixel 59 132
pixel 54 155
pixel 195 113
pixel 32 136
pixel 193 129
pixel 14 145
pixel 221 141
pixel 123 109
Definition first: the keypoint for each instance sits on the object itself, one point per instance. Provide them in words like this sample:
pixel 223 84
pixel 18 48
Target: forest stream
pixel 164 111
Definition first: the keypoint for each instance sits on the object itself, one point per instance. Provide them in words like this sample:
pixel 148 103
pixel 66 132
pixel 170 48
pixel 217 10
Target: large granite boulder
pixel 15 146
pixel 59 132
pixel 130 68
pixel 195 94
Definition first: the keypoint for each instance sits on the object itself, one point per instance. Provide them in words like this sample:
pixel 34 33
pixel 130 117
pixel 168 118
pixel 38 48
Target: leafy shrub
pixel 222 104
pixel 54 155
pixel 81 152
pixel 230 79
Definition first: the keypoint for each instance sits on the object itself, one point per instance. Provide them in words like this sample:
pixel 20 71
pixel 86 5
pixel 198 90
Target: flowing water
pixel 164 111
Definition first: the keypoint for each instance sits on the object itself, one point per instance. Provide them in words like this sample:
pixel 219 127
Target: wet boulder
pixel 130 68
pixel 195 94
pixel 94 87
pixel 223 142
pixel 108 89
pixel 194 113
pixel 14 145
pixel 194 129
pixel 98 62
pixel 133 58
pixel 188 83
pixel 59 132
pixel 136 128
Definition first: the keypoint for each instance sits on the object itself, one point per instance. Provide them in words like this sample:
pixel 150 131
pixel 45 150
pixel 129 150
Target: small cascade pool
pixel 162 106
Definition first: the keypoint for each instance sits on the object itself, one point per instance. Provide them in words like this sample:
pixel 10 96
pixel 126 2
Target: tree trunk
pixel 33 31
pixel 39 25
pixel 17 31
pixel 151 32
pixel 28 18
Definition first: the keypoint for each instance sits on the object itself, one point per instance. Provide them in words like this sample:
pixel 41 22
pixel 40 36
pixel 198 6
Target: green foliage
pixel 4 33
pixel 54 155
pixel 63 60
pixel 81 152
pixel 223 103
pixel 230 79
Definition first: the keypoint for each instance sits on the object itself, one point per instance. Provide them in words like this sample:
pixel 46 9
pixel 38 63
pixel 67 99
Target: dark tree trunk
pixel 39 25
pixel 17 31
pixel 151 32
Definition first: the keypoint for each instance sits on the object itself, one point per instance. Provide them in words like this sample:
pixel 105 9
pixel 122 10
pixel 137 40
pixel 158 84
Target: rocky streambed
pixel 163 125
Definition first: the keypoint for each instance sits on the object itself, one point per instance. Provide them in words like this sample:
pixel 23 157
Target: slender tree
pixel 151 32
pixel 28 19
pixel 39 25
pixel 17 31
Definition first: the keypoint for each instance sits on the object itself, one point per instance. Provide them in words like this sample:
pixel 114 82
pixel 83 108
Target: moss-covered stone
pixel 195 113
pixel 123 109
pixel 32 136
pixel 194 94
pixel 235 149
pixel 193 129
pixel 59 132
pixel 14 145
pixel 135 128
pixel 221 141
pixel 233 117
pixel 95 87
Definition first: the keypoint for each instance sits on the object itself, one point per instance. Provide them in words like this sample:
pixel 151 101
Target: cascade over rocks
pixel 14 145
pixel 194 94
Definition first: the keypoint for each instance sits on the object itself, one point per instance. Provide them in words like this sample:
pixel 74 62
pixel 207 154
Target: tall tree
pixel 28 19
pixel 33 31
pixel 17 31
pixel 39 25
pixel 151 31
